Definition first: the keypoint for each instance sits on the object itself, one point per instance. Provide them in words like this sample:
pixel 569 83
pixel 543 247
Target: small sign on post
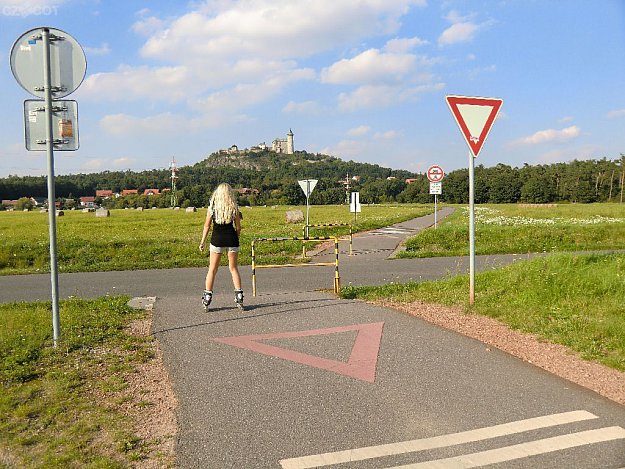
pixel 307 185
pixel 435 175
pixel 436 188
pixel 354 204
pixel 64 125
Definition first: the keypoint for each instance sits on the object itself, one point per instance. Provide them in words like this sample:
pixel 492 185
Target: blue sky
pixel 361 80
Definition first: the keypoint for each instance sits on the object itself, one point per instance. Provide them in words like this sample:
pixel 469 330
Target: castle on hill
pixel 279 145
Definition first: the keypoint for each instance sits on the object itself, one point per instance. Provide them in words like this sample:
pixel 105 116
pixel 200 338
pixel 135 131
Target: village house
pixel 9 204
pixel 87 201
pixel 247 191
pixel 104 193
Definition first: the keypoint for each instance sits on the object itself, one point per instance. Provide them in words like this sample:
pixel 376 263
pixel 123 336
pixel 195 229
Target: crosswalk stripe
pixel 523 450
pixel 359 454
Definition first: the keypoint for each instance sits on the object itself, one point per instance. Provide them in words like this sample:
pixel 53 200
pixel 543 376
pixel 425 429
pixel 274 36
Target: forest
pixel 274 177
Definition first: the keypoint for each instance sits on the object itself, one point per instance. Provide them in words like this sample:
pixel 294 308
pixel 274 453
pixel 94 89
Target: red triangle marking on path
pixel 362 362
pixel 475 117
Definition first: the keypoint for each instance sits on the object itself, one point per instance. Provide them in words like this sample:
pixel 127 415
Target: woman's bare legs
pixel 215 257
pixel 234 269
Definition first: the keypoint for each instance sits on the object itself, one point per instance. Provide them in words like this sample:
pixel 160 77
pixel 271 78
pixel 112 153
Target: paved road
pixel 302 379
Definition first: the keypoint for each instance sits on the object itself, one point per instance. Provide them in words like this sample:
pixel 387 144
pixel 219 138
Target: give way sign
pixel 475 117
pixel 435 173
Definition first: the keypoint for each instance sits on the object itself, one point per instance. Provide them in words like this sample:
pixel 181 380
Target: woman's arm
pixel 237 224
pixel 207 227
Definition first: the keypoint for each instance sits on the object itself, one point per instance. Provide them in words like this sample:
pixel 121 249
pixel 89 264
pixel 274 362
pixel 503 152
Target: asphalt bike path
pixel 303 379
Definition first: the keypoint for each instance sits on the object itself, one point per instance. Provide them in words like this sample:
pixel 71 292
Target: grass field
pixel 62 407
pixel 508 229
pixel 157 239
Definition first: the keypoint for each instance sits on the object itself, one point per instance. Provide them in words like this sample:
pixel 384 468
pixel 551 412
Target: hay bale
pixel 190 210
pixel 102 213
pixel 294 216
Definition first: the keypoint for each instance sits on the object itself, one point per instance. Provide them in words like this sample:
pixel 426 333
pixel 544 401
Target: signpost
pixel 49 64
pixel 307 185
pixel 475 117
pixel 435 175
pixel 354 205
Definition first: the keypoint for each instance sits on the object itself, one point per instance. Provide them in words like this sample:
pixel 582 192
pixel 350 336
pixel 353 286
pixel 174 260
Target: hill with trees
pixel 273 178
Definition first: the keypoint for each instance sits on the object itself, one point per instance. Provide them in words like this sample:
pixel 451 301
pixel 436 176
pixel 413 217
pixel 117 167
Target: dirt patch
pixel 556 359
pixel 152 405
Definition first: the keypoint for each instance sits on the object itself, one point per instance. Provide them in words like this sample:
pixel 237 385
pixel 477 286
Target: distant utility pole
pixel 173 177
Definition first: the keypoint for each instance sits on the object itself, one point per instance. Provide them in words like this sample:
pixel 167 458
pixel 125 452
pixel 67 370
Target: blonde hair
pixel 223 204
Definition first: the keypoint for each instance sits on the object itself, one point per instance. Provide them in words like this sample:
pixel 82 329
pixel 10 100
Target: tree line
pixel 275 178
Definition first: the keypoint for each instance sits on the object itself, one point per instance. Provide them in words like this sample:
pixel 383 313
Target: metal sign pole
pixel 54 275
pixel 471 228
pixel 307 206
pixel 435 210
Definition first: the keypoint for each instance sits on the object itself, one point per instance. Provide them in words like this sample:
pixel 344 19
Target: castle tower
pixel 290 149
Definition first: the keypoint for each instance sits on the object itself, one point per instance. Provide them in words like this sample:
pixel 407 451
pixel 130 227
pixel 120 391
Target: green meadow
pixel 165 238
pixel 567 297
pixel 513 229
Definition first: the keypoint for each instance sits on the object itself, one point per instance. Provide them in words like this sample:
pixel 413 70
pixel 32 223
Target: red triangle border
pixel 362 362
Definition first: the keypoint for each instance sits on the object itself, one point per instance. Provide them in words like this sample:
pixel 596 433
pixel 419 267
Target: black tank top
pixel 225 235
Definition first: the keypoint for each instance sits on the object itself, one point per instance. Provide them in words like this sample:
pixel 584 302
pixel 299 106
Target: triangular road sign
pixel 308 185
pixel 475 117
pixel 362 362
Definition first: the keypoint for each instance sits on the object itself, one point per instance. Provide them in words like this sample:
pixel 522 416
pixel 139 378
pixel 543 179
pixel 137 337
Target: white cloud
pixel 164 124
pixel 369 67
pixel 104 49
pixel 304 107
pixel 369 96
pixel 565 119
pixel 463 29
pixel 130 83
pixel 148 26
pixel 358 131
pixel 551 135
pixel 346 149
pixel 388 135
pixel 273 29
pixel 161 124
pixel 616 113
pixel 402 45
pixel 249 94
pixel 459 32
pixel 123 162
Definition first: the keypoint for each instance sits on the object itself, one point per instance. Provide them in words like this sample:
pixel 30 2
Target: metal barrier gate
pixel 351 234
pixel 337 277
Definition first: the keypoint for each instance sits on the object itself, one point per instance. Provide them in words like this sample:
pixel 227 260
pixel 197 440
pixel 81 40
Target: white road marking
pixel 523 450
pixel 359 454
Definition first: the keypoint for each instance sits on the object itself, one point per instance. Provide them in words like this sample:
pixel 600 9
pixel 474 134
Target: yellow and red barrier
pixel 337 277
